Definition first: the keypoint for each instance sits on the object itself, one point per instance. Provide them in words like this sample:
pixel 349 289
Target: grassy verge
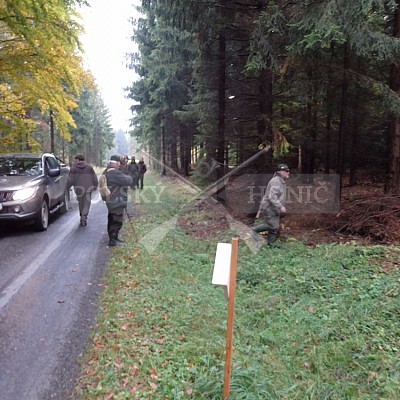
pixel 310 323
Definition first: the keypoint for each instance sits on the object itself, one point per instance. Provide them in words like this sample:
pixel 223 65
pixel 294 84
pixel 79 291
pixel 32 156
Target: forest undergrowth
pixel 366 215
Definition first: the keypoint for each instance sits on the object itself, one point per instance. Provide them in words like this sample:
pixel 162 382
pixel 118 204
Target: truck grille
pixel 5 196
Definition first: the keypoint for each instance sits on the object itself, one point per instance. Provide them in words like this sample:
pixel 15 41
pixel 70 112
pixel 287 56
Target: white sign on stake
pixel 222 267
pixel 225 275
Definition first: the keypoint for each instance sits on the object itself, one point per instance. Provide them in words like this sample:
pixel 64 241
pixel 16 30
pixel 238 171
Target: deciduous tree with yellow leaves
pixel 41 71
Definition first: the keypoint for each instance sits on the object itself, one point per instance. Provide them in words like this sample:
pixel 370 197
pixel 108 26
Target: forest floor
pixel 366 216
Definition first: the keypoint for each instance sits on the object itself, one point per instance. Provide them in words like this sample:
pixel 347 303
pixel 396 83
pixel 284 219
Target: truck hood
pixel 10 183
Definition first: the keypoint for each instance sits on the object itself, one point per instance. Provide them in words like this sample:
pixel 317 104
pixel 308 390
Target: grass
pixel 310 323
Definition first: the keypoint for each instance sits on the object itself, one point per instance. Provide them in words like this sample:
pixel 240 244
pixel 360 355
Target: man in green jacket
pixel 118 183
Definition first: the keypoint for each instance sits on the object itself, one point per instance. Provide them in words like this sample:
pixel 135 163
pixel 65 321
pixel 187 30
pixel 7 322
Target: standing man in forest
pixel 133 170
pixel 142 170
pixel 124 164
pixel 84 180
pixel 118 183
pixel 272 205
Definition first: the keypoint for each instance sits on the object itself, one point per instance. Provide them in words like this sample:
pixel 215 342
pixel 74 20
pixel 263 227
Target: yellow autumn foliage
pixel 40 69
pixel 280 145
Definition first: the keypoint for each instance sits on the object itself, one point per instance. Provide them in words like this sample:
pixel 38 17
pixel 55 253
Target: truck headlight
pixel 24 194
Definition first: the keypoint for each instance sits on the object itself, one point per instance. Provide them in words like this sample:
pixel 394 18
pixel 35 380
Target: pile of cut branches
pixel 374 218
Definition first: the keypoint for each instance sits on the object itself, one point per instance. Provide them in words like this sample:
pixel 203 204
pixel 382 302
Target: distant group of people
pixel 121 175
pixel 136 170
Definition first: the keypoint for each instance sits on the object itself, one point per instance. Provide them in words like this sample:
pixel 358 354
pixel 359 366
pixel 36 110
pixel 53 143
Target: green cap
pixel 282 167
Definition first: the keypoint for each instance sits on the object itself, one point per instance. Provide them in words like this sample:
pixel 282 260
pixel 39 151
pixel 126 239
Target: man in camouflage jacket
pixel 272 205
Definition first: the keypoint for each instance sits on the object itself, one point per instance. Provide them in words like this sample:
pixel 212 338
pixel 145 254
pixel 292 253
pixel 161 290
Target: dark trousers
pixel 115 221
pixel 140 181
pixel 84 202
pixel 271 222
pixel 135 179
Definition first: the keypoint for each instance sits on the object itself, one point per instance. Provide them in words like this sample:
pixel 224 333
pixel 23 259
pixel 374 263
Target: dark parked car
pixel 32 186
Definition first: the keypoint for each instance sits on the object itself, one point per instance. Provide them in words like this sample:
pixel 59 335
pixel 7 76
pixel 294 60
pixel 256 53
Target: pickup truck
pixel 32 187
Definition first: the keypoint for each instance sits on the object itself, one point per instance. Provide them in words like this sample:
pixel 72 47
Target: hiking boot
pixel 114 241
pixel 274 246
pixel 272 240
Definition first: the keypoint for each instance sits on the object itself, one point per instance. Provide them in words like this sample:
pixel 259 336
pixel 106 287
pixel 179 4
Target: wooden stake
pixel 231 305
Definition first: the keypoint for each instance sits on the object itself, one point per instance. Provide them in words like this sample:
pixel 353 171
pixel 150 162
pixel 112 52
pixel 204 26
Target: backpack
pixel 105 192
pixel 103 188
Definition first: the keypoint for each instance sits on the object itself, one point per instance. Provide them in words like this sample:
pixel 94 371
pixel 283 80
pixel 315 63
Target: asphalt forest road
pixel 49 285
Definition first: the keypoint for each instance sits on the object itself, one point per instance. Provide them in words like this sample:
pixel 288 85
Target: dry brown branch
pixel 376 218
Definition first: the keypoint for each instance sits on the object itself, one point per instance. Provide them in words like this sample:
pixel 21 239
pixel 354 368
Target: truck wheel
pixel 42 221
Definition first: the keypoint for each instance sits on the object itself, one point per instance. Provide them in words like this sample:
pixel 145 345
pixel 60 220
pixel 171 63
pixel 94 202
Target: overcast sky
pixel 106 42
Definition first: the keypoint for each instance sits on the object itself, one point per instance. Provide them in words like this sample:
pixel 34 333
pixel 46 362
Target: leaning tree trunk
pixel 392 184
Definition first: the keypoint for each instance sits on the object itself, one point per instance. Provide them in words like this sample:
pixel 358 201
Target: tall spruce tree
pixel 93 135
pixel 229 76
pixel 324 43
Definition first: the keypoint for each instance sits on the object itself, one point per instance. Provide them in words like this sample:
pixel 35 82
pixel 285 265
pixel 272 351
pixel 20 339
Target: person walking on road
pixel 272 205
pixel 84 180
pixel 142 170
pixel 118 183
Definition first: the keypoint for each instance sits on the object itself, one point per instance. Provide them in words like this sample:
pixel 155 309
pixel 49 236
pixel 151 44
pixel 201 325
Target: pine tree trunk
pixel 264 125
pixel 174 153
pixel 311 123
pixel 265 97
pixel 188 153
pixel 340 165
pixel 162 148
pixel 184 167
pixel 328 130
pixel 221 196
pixel 328 119
pixel 221 98
pixel 52 134
pixel 392 184
pixel 354 146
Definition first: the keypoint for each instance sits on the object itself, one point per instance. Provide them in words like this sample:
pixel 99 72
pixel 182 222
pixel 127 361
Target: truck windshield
pixel 20 166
